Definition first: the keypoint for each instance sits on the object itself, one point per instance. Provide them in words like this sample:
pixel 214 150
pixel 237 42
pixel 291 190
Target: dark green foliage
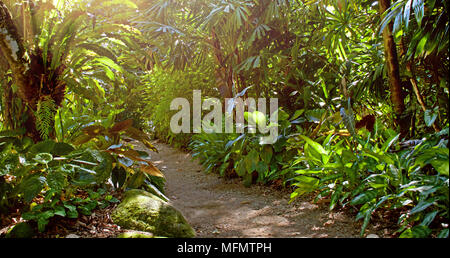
pixel 57 172
pixel 21 230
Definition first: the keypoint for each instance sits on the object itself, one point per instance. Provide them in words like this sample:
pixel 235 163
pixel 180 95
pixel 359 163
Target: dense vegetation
pixel 362 88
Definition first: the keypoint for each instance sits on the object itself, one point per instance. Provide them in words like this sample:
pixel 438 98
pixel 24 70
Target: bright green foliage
pixel 242 154
pixel 72 208
pixel 340 138
pixel 45 116
pixel 163 88
pixel 377 176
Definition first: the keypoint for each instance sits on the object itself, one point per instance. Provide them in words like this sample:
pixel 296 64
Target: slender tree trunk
pixel 395 83
pixel 224 74
pixel 419 96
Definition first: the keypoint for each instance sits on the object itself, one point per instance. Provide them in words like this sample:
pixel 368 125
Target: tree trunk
pixel 224 74
pixel 13 51
pixel 419 96
pixel 395 83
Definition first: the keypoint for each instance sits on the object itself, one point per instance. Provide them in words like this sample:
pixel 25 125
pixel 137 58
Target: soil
pixel 224 208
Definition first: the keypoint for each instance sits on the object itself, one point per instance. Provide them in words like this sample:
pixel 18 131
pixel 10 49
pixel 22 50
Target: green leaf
pixel 56 180
pixel 266 154
pixel 137 180
pixel 259 118
pixel 126 161
pixel 364 197
pixel 261 168
pixel 251 161
pixel 13 133
pixel 429 218
pixel 248 179
pixel 443 233
pixel 335 196
pixel 315 145
pixel 441 166
pixel 367 216
pixel 389 142
pixel 43 219
pixel 232 142
pixel 430 116
pixel 72 212
pixel 297 114
pixel 87 208
pixel 422 205
pixel 240 168
pixel 407 234
pixel 306 184
pixel 378 157
pixel 42 147
pixel 104 169
pixel 43 158
pixel 419 231
pixel 109 63
pixel 31 187
pixel 83 176
pixel 62 149
pixel 60 211
pixel 223 168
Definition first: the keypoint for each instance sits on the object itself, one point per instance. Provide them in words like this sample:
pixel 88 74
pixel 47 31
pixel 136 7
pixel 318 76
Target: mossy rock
pixel 143 211
pixel 21 230
pixel 135 234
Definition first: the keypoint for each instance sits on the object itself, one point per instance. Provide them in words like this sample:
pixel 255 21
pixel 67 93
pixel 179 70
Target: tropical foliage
pixel 362 87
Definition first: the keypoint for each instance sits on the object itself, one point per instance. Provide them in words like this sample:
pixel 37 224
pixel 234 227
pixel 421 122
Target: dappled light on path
pixel 217 207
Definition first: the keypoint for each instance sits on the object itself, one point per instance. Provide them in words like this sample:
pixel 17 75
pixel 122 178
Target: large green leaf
pixel 441 166
pixel 104 169
pixel 431 116
pixel 31 187
pixel 56 180
pixel 266 154
pixel 137 180
pixel 364 197
pixel 315 145
pixel 43 147
pixel 422 205
pixel 62 149
pixel 43 158
pixel 240 168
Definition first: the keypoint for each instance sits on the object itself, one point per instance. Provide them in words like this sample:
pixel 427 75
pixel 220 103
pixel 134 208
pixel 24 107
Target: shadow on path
pixel 216 207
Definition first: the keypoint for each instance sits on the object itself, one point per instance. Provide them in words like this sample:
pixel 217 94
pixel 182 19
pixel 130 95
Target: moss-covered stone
pixel 21 230
pixel 135 234
pixel 143 211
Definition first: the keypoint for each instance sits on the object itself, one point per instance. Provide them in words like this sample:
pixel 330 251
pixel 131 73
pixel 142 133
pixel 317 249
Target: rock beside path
pixel 143 211
pixel 135 234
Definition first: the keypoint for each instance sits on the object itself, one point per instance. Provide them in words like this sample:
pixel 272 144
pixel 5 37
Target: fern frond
pixel 45 116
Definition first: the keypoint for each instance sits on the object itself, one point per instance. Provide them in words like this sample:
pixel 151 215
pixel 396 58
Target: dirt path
pixel 216 207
